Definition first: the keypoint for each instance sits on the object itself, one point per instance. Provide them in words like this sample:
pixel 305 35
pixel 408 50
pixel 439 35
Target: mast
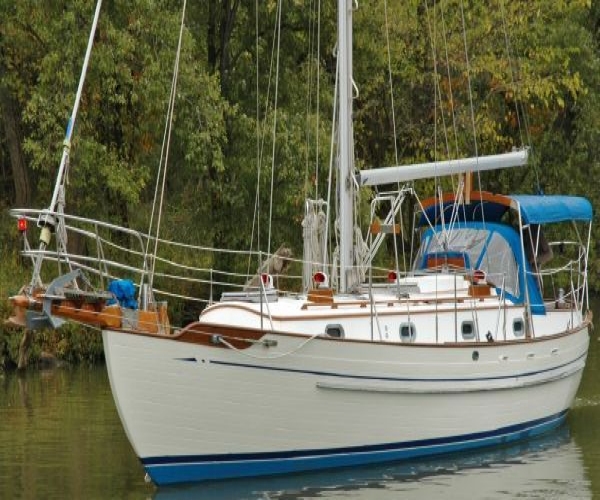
pixel 346 146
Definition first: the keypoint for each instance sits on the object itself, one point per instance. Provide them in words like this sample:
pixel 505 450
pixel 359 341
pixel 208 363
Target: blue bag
pixel 124 292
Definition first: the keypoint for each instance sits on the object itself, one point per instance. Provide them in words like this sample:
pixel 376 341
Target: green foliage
pixel 531 74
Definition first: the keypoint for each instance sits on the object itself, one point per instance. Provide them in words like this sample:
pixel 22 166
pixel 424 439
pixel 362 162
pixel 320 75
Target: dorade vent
pixel 518 327
pixel 478 276
pixel 408 332
pixel 267 280
pixel 467 330
pixel 335 330
pixel 320 280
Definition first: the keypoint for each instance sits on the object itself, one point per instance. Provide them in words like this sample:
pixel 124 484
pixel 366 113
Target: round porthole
pixel 475 355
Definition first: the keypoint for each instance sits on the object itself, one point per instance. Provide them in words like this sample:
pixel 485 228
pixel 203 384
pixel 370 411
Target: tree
pixel 530 74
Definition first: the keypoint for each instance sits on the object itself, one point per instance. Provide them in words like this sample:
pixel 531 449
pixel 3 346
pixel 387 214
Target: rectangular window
pixel 467 329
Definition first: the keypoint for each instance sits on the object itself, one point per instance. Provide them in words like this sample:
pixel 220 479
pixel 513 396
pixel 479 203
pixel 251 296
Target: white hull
pixel 195 412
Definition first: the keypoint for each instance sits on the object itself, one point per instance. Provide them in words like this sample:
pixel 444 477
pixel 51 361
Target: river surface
pixel 60 437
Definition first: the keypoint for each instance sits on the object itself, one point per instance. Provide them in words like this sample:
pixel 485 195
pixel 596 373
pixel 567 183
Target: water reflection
pixel 60 437
pixel 548 467
pixel 24 395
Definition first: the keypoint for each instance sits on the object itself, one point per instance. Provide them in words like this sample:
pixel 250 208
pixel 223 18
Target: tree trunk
pixel 12 131
pixel 24 349
pixel 221 21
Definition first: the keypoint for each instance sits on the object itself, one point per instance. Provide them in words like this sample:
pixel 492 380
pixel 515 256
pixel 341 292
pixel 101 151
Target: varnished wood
pixel 320 296
pixel 440 261
pixel 91 314
pixel 475 197
pixel 480 290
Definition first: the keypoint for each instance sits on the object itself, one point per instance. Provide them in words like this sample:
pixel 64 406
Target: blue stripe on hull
pixel 168 470
pixel 395 379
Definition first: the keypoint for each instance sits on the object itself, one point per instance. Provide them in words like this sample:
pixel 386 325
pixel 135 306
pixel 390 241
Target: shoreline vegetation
pixel 70 344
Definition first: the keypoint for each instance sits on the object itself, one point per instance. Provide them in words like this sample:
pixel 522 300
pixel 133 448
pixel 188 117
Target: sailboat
pixel 479 343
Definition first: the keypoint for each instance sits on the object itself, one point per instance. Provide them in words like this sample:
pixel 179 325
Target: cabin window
pixel 467 329
pixel 518 327
pixel 408 332
pixel 336 331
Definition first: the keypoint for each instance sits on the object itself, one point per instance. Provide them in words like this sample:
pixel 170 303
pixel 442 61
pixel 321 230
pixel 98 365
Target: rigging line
pixel 438 89
pixel 456 206
pixel 280 8
pixel 331 160
pixel 262 134
pixel 450 92
pixel 168 143
pixel 403 232
pixel 437 182
pixel 453 111
pixel 257 137
pixel 468 66
pixel 314 72
pixel 256 216
pixel 433 38
pixel 389 61
pixel 160 172
pixel 518 104
pixel 438 96
pixel 314 90
pixel 308 98
pixel 222 340
pixel 510 66
pixel 159 175
pixel 435 100
pixel 471 106
pixel 318 100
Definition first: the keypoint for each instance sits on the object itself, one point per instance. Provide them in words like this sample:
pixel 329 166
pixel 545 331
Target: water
pixel 60 437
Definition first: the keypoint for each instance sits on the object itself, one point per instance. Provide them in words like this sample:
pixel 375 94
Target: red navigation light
pixel 392 276
pixel 478 275
pixel 320 277
pixel 22 225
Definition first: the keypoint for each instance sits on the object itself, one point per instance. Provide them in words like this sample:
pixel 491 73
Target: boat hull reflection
pixel 550 466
